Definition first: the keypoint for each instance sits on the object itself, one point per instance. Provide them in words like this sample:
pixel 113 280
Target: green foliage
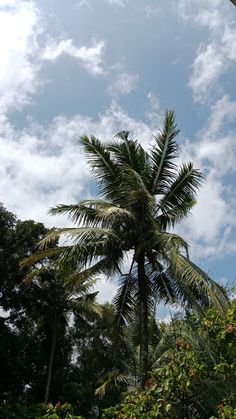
pixel 59 411
pixel 194 375
pixel 171 389
pixel 226 410
pixel 44 411
pixel 19 410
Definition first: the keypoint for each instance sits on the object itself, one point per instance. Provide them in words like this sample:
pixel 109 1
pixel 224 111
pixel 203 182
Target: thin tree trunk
pixel 143 320
pixel 50 365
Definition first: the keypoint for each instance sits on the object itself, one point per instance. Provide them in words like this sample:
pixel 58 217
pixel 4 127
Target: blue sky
pixel 101 66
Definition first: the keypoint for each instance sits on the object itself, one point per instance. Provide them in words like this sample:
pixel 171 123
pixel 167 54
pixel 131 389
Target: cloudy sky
pixel 100 66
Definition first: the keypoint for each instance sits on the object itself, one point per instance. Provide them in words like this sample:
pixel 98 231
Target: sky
pixel 69 68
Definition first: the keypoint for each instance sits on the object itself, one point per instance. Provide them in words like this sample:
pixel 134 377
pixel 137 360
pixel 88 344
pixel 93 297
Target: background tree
pixel 18 239
pixel 58 296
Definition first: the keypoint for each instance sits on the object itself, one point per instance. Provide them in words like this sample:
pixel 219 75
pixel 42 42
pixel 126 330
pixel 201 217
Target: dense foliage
pixel 32 312
pixel 192 359
pixel 194 375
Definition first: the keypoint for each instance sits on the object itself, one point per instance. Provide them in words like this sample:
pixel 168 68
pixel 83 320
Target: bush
pixel 18 411
pixel 59 411
pixel 44 411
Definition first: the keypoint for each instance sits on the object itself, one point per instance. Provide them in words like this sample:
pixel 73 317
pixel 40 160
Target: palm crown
pixel 145 193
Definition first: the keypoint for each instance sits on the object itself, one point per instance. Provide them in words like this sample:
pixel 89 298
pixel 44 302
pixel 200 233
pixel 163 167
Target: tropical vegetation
pixel 145 194
pixel 63 354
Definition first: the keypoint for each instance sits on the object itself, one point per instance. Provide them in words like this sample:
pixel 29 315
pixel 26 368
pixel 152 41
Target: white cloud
pixel 7 3
pixel 42 166
pixel 218 52
pixel 19 28
pixel 222 112
pixel 211 213
pixel 83 3
pixel 89 57
pixel 208 66
pixel 106 289
pixel 154 111
pixel 120 3
pixel 123 84
pixel 210 227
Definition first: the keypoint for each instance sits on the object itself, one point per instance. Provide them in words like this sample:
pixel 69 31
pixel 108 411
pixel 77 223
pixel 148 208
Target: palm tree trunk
pixel 143 320
pixel 50 365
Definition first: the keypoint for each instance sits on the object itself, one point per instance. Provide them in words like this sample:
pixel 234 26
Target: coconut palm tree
pixel 144 194
pixel 56 296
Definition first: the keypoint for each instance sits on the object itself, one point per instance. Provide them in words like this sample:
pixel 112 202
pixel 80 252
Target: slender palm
pixel 145 193
pixel 56 296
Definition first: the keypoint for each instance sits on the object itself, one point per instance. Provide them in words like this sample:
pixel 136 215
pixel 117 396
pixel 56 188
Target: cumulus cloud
pixel 91 58
pixel 216 54
pixel 222 113
pixel 124 83
pixel 35 174
pixel 210 227
pixel 7 3
pixel 19 29
pixel 42 166
pixel 208 66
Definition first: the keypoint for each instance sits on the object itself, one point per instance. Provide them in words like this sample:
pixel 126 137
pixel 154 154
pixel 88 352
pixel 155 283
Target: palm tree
pixel 234 2
pixel 144 194
pixel 57 295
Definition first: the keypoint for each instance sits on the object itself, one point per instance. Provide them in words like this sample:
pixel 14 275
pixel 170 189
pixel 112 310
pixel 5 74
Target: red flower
pixel 229 328
pixel 149 383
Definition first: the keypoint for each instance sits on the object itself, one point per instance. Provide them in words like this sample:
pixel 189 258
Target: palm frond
pixel 102 165
pixel 81 281
pixel 162 242
pixel 162 284
pixel 130 153
pixel 123 135
pixel 51 253
pixel 170 218
pixel 78 234
pixel 83 213
pixel 85 304
pixel 94 213
pixel 180 196
pixel 136 197
pixel 124 301
pixel 113 378
pixel 162 155
pixel 195 286
pixel 35 274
